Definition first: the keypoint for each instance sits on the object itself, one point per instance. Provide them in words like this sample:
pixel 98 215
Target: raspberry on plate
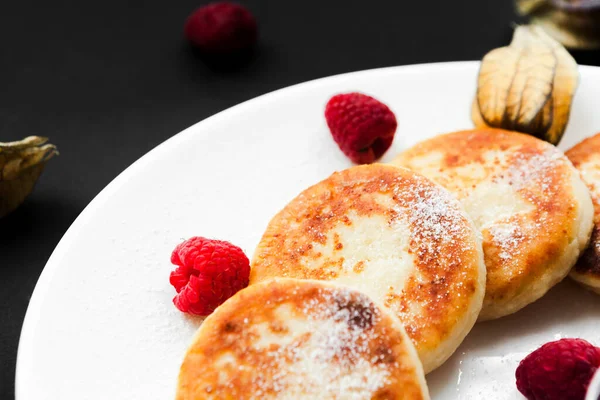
pixel 221 28
pixel 208 273
pixel 559 370
pixel 363 127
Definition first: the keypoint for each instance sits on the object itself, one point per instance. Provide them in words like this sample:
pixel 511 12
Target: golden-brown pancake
pixel 585 156
pixel 296 339
pixel 392 234
pixel 533 210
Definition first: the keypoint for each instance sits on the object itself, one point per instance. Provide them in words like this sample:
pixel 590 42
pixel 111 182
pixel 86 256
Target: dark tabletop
pixel 107 81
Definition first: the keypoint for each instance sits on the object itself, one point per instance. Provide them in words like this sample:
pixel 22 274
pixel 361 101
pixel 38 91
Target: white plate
pixel 101 324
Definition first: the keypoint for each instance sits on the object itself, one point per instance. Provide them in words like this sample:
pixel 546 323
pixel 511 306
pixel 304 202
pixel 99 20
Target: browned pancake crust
pixel 583 152
pixel 448 263
pixel 589 262
pixel 543 233
pixel 258 371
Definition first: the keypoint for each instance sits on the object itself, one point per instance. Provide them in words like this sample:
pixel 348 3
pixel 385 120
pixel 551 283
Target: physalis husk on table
pixel 527 86
pixel 574 23
pixel 21 164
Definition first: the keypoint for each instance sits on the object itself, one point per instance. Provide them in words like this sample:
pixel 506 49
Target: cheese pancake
pixel 585 156
pixel 392 234
pixel 533 210
pixel 296 339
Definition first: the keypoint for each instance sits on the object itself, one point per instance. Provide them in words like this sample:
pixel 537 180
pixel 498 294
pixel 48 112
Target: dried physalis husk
pixel 574 23
pixel 527 87
pixel 21 164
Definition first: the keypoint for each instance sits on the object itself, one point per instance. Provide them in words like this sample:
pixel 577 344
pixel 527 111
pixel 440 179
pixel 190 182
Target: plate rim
pixel 43 284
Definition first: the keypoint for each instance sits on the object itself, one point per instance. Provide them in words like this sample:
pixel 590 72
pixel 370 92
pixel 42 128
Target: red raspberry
pixel 559 370
pixel 221 28
pixel 208 273
pixel 362 126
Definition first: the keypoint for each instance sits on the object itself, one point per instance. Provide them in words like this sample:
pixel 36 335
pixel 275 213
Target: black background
pixel 107 81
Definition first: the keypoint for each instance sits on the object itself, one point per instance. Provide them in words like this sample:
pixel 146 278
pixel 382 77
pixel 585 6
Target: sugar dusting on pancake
pixel 393 235
pixel 525 197
pixel 290 339
pixel 528 170
pixel 341 333
pixel 438 239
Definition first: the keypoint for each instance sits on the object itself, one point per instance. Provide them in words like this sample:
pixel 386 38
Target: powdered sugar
pixel 533 172
pixel 434 216
pixel 527 170
pixel 333 358
pixel 507 237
